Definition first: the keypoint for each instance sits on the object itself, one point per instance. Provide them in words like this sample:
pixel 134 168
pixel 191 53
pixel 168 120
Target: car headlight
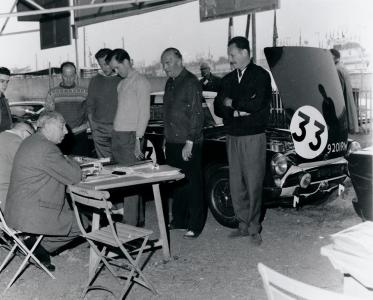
pixel 353 147
pixel 279 164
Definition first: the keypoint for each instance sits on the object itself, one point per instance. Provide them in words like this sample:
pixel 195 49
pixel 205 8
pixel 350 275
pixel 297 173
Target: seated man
pixel 36 201
pixel 10 140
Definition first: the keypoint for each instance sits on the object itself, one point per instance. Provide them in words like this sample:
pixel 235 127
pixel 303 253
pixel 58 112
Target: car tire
pixel 219 198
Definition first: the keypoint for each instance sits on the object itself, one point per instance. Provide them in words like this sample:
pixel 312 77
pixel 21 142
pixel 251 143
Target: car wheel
pixel 219 197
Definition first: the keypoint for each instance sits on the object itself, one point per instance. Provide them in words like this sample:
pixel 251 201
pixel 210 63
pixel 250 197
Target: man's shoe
pixel 51 267
pixel 191 235
pixel 172 226
pixel 238 233
pixel 256 239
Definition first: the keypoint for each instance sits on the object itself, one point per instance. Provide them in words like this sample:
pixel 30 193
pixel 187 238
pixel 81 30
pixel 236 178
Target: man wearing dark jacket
pixel 5 115
pixel 183 123
pixel 243 103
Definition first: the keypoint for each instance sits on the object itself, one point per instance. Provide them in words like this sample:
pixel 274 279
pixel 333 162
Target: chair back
pixel 281 287
pixel 87 197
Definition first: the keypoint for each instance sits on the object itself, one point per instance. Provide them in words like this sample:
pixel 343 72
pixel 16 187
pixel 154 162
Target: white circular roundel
pixel 308 131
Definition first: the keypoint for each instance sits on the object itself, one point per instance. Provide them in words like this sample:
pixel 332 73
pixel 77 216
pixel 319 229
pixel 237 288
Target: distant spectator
pixel 209 81
pixel 69 99
pixel 5 115
pixel 344 77
pixel 102 104
pixel 10 140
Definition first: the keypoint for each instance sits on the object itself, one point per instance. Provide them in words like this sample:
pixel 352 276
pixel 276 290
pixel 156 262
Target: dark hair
pixel 119 54
pixel 4 71
pixel 241 43
pixel 102 53
pixel 67 63
pixel 174 51
pixel 335 53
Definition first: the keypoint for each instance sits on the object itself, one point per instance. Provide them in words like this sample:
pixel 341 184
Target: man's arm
pixel 63 169
pixel 259 99
pixel 220 109
pixel 194 91
pixel 143 112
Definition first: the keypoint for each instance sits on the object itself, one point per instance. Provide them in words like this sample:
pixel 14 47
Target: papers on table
pixel 356 240
pixel 148 169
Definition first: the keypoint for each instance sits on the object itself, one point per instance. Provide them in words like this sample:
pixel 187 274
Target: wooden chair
pixel 281 287
pixel 114 236
pixel 17 243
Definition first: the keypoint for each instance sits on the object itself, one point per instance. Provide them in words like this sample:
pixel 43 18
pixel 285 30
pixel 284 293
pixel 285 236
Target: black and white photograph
pixel 186 149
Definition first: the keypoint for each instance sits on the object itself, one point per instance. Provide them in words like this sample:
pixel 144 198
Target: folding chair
pixel 14 235
pixel 111 237
pixel 281 287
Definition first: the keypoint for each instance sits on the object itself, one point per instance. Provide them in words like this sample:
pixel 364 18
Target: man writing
pixel 102 104
pixel 36 201
pixel 243 103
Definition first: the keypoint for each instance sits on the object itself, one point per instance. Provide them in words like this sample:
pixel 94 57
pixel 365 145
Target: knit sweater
pixel 102 100
pixel 70 102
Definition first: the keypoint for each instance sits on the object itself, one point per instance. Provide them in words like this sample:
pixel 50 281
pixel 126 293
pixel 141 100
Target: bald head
pixel 172 62
pixel 68 73
pixel 205 69
pixel 52 126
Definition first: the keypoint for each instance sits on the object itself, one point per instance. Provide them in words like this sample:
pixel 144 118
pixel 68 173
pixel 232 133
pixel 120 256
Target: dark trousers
pixel 188 206
pixel 123 147
pixel 101 134
pixel 75 144
pixel 247 158
pixel 53 243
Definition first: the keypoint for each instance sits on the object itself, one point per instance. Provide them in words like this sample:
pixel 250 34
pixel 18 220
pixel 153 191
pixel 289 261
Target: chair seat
pixel 125 233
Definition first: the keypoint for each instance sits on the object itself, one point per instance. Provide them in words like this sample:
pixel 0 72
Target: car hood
pixel 312 97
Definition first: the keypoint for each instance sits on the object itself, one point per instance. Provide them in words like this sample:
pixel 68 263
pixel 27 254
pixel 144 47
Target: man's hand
pixel 227 102
pixel 187 151
pixel 139 155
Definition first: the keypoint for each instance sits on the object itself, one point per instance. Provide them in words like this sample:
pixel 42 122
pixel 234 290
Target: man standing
pixel 130 122
pixel 102 104
pixel 183 124
pixel 344 78
pixel 209 81
pixel 10 140
pixel 5 116
pixel 69 99
pixel 243 103
pixel 36 201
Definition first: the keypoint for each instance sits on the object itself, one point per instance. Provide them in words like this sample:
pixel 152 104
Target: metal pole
pixel 247 26
pixel 73 8
pixel 253 32
pixel 75 36
pixel 7 19
pixel 84 47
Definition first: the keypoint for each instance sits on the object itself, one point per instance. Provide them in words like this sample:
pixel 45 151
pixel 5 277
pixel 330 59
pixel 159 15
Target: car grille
pixel 318 174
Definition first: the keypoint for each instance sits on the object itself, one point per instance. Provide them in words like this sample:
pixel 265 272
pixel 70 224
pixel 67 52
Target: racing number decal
pixel 302 127
pixel 307 129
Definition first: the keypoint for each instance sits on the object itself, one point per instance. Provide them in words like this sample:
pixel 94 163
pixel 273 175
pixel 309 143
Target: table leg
pixel 161 222
pixel 93 258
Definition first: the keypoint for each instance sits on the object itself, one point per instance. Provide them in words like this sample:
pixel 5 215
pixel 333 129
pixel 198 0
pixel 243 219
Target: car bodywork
pixel 306 140
pixel 360 167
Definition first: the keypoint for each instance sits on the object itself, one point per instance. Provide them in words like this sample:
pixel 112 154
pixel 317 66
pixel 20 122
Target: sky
pixel 146 36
